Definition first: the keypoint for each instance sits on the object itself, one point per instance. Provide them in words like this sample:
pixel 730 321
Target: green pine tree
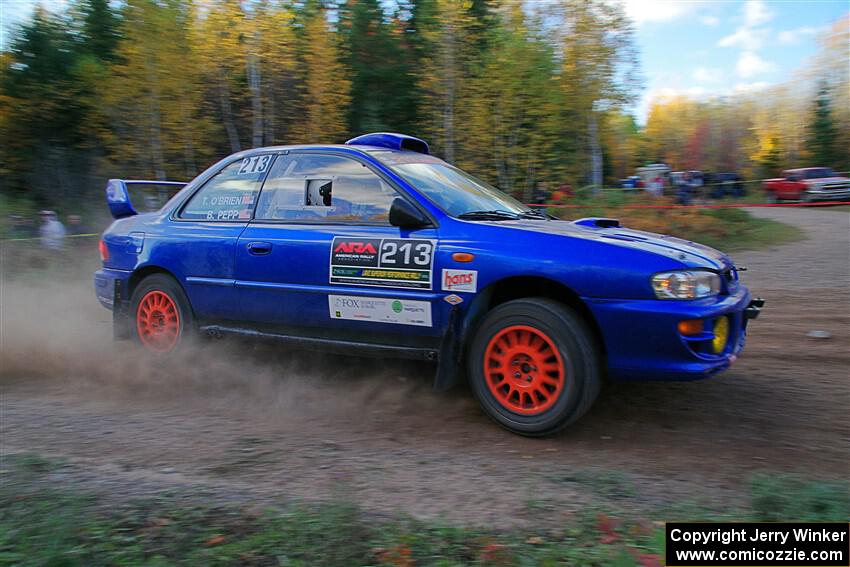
pixel 822 131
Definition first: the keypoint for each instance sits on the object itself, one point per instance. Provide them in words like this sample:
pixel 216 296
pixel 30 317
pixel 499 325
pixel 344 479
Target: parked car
pixel 807 184
pixel 722 185
pixel 632 184
pixel 376 247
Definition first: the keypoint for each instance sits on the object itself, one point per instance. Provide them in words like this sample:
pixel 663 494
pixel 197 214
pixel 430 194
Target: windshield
pixel 453 190
pixel 819 172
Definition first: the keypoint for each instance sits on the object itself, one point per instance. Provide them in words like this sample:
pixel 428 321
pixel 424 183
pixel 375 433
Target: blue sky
pixel 705 48
pixel 696 47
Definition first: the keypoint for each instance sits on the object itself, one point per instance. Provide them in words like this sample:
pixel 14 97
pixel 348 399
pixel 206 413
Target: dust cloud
pixel 54 335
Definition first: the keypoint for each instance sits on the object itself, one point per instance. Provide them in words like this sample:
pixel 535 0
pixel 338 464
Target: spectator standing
pixel 656 186
pixel 76 226
pixel 684 187
pixel 52 231
pixel 540 194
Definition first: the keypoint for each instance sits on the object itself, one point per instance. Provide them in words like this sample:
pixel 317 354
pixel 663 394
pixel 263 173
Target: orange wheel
pixel 524 370
pixel 158 321
pixel 533 365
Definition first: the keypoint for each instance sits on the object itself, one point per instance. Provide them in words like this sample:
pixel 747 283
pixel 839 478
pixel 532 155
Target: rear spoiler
pixel 118 194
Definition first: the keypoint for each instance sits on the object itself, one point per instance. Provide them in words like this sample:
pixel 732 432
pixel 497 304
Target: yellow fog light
pixel 690 327
pixel 721 335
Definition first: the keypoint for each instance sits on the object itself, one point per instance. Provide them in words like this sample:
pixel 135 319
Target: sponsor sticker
pixel 453 299
pixel 460 280
pixel 380 310
pixel 382 262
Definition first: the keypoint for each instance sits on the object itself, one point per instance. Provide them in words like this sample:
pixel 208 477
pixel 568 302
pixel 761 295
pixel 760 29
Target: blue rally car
pixel 376 247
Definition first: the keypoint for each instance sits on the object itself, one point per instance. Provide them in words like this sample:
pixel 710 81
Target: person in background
pixel 540 194
pixel 656 186
pixel 75 225
pixel 562 193
pixel 52 232
pixel 684 189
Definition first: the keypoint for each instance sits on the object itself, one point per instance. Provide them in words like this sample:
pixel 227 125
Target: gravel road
pixel 249 422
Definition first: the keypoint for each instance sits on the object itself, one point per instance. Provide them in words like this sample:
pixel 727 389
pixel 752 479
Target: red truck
pixel 807 184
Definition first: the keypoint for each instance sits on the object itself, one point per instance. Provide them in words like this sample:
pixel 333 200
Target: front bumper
pixel 642 340
pixel 827 194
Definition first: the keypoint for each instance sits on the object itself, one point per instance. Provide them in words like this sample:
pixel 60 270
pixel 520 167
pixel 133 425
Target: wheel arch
pixel 141 273
pixel 519 287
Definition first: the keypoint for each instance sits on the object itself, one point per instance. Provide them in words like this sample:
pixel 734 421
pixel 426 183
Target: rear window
pixel 231 194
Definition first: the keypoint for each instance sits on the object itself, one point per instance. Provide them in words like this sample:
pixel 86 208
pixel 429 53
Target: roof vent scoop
pixel 390 140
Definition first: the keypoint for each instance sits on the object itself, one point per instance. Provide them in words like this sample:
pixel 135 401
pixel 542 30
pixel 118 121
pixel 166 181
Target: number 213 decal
pixel 407 254
pixel 256 164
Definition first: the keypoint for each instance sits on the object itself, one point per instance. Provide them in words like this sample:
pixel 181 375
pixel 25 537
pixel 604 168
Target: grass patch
pixel 50 527
pixel 31 463
pixel 55 528
pixel 729 230
pixel 782 497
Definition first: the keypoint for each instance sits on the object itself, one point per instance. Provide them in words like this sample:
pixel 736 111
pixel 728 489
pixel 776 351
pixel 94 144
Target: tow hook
pixel 754 308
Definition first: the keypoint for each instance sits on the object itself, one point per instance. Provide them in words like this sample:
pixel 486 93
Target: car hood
pixel 691 254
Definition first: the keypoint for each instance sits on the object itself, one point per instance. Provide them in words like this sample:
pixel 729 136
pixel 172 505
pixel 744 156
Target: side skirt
pixel 328 345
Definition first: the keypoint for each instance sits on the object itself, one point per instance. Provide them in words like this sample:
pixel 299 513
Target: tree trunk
pixel 227 115
pixel 155 129
pixel 252 69
pixel 595 153
pixel 449 102
pixel 188 142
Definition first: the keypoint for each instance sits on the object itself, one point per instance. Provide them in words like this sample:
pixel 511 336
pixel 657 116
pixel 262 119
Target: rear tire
pixel 161 318
pixel 534 366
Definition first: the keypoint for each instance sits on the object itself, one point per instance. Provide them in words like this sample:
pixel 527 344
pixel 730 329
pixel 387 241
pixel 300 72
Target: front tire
pixel 161 318
pixel 534 366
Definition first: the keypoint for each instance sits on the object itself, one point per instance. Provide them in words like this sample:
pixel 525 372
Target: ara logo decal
pixel 355 248
pixel 460 280
pixel 453 299
pixel 382 262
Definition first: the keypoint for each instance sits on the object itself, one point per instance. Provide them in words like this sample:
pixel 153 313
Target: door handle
pixel 259 248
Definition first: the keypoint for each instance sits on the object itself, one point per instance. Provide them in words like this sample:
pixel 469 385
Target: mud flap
pixel 120 312
pixel 449 366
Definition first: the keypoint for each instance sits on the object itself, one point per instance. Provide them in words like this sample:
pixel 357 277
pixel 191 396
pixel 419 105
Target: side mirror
pixel 405 215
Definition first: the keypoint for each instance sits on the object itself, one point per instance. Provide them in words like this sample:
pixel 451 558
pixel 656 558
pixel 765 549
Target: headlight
pixel 687 284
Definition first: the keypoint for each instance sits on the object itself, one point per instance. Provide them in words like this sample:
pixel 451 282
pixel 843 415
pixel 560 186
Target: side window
pixel 324 188
pixel 231 193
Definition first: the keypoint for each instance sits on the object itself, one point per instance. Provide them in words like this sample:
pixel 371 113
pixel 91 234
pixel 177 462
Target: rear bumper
pixel 108 285
pixel 642 340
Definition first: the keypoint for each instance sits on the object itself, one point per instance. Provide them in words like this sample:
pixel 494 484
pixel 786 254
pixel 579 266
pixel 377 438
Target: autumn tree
pixel 218 42
pixel 271 71
pixel 448 50
pixel 325 86
pixel 599 69
pixel 508 107
pixel 153 95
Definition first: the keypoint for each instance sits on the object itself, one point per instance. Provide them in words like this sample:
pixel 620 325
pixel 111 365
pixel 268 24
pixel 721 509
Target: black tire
pixel 186 320
pixel 578 350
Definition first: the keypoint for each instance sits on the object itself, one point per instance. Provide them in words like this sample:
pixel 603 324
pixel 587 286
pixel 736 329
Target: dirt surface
pixel 250 422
